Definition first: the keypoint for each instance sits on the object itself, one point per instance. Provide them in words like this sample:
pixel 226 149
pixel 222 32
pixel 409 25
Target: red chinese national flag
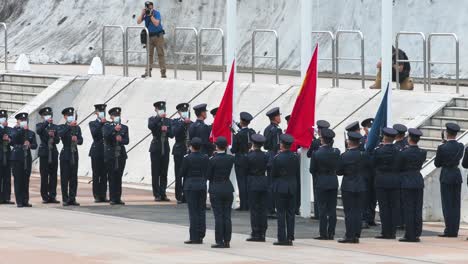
pixel 223 119
pixel 303 114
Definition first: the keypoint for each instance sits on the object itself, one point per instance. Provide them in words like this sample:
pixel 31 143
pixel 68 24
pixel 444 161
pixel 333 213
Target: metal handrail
pixel 338 58
pixel 276 57
pixel 4 25
pixel 103 56
pixel 333 41
pixel 127 49
pixel 196 53
pixel 424 60
pixel 201 54
pixel 457 57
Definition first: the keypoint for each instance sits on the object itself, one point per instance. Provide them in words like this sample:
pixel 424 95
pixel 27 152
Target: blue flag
pixel 380 121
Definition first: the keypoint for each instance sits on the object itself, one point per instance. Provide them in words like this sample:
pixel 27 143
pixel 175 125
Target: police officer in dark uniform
pixel 284 171
pixel 115 139
pixel 194 172
pixel 323 164
pixel 354 127
pixel 221 190
pixel 241 145
pixel 400 143
pixel 5 166
pixel 272 134
pixel 370 201
pixel 22 140
pixel 410 163
pixel 448 158
pixel 48 155
pixel 96 152
pixel 257 161
pixel 161 130
pixel 314 146
pixel 353 187
pixel 70 135
pixel 201 130
pixel 182 142
pixel 387 183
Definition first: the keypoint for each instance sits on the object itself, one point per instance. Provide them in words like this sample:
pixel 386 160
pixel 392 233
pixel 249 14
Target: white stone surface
pixel 22 64
pixel 96 67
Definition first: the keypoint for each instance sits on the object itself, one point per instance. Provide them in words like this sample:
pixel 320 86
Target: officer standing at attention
pixel 400 143
pixel 22 140
pixel 284 171
pixel 410 163
pixel 448 158
pixel 5 166
pixel 70 135
pixel 96 152
pixel 353 187
pixel 314 146
pixel 201 130
pixel 193 173
pixel 354 127
pixel 366 126
pixel 258 187
pixel 115 139
pixel 221 190
pixel 323 164
pixel 161 130
pixel 370 201
pixel 48 155
pixel 272 144
pixel 387 183
pixel 182 142
pixel 241 145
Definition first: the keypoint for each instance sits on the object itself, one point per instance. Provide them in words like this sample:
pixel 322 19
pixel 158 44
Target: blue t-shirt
pixel 151 27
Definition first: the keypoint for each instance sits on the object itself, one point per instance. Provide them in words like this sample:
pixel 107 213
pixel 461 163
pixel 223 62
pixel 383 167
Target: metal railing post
pixel 177 53
pixel 424 60
pixel 457 58
pixel 4 25
pixel 332 37
pixel 127 49
pixel 276 57
pixel 103 55
pixel 338 58
pixel 201 55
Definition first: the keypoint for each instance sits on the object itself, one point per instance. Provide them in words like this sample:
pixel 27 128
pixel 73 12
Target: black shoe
pixel 65 204
pixel 404 239
pixel 331 238
pixel 283 243
pixel 9 202
pixel 164 76
pixel 217 246
pixel 53 201
pixel 45 201
pixel 372 223
pixel 99 200
pixel 447 235
pixel 349 240
pixel 73 203
pixel 27 205
pixel 298 212
pixel 255 239
pixel 157 199
pixel 120 202
pixel 194 242
pixel 385 237
pixel 321 238
pixel 165 199
pixel 227 244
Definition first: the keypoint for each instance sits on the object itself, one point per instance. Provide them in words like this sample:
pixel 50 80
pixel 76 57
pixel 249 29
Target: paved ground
pixel 145 232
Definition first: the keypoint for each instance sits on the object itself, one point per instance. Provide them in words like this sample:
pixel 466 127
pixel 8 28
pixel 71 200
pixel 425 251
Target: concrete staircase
pixel 17 89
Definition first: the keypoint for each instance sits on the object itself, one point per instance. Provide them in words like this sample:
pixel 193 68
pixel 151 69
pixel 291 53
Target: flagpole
pixel 306 55
pixel 386 51
pixel 231 52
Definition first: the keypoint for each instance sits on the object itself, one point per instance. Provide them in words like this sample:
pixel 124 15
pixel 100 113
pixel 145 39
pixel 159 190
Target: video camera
pixel 147 7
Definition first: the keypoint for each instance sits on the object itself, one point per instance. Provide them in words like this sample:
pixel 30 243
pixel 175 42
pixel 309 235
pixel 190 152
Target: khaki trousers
pixel 158 44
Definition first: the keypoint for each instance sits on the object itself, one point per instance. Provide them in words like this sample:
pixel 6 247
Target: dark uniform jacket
pixel 5 147
pixel 18 137
pixel 241 145
pixel 65 133
pixel 285 171
pixel 410 163
pixel 354 165
pixel 448 157
pixel 257 162
pixel 42 130
pixel 400 145
pixel 219 170
pixel 272 133
pixel 110 142
pixel 323 165
pixel 179 131
pixel 201 130
pixel 97 148
pixel 154 124
pixel 384 161
pixel 194 171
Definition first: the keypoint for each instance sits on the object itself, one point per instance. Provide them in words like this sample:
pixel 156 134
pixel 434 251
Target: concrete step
pixel 430 142
pixel 430 151
pixel 434 131
pixel 455 111
pixel 461 101
pixel 29 78
pixel 16 96
pixel 12 104
pixel 22 87
pixel 442 120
